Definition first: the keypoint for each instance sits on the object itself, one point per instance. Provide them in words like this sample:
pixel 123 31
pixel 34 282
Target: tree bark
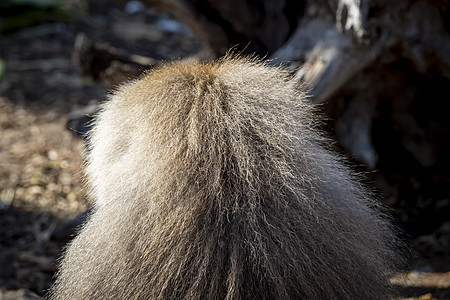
pixel 332 40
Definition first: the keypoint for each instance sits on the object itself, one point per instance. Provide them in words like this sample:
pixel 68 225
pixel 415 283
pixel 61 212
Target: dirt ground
pixel 40 158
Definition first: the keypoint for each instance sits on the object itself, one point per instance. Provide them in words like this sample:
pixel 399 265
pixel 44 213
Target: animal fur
pixel 212 181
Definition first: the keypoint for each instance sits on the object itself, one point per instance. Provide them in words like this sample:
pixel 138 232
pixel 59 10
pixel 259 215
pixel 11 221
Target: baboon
pixel 213 181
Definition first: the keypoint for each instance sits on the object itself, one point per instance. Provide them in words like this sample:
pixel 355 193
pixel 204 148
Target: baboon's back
pixel 211 181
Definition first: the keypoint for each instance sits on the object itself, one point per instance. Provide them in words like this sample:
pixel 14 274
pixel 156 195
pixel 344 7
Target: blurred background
pixel 378 69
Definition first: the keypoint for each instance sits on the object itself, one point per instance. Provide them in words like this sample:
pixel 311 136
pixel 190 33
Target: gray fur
pixel 211 181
